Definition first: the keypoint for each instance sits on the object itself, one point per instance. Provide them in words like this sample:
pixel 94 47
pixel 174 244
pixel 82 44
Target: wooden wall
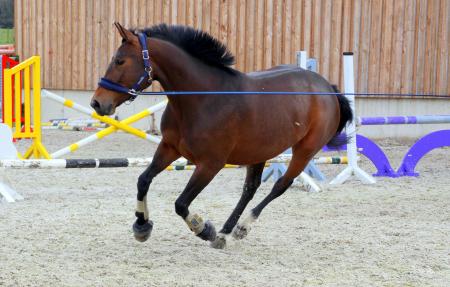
pixel 400 46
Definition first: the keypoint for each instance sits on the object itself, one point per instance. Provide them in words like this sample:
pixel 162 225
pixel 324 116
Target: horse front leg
pixel 165 154
pixel 252 182
pixel 202 176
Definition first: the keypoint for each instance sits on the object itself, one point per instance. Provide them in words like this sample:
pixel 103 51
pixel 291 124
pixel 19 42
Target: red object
pixel 8 63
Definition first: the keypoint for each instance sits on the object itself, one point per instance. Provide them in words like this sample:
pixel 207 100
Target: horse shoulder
pixel 170 128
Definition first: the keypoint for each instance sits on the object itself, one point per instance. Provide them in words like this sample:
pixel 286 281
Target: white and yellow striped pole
pixel 123 125
pixel 107 131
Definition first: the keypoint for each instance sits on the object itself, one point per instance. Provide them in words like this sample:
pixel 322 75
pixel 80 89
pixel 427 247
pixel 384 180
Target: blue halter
pixel 136 89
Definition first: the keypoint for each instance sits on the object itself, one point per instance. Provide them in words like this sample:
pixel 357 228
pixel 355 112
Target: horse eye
pixel 119 62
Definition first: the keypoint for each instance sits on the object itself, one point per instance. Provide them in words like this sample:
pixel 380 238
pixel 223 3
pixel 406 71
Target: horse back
pixel 288 78
pixel 252 128
pixel 284 120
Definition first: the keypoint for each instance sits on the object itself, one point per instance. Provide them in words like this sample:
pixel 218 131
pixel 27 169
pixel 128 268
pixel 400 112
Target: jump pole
pixel 105 119
pixel 107 131
pixel 352 167
pixel 404 120
pixel 125 162
pixel 79 123
pixel 9 194
pixel 93 163
pixel 72 128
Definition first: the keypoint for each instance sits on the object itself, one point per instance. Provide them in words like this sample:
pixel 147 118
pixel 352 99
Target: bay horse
pixel 214 130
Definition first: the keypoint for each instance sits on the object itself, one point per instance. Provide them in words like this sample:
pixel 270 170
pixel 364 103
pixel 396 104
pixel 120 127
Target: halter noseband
pixel 135 90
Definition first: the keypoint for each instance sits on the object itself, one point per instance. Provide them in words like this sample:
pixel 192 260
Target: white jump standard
pixel 352 168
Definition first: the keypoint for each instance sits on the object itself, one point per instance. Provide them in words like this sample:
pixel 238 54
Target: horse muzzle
pixel 102 109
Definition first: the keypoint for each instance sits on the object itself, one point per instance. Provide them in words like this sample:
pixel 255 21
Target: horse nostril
pixel 95 105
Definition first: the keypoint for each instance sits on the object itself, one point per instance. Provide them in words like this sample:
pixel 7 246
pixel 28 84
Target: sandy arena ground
pixel 74 228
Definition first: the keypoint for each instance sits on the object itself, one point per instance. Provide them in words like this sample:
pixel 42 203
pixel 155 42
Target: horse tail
pixel 346 116
pixel 345 110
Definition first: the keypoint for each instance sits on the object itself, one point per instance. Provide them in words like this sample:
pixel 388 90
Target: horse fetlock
pixel 142 231
pixel 220 242
pixel 209 232
pixel 142 209
pixel 204 230
pixel 240 231
pixel 195 223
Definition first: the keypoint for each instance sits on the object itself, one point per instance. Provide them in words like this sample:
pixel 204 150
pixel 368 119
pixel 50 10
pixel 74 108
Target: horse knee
pixel 181 208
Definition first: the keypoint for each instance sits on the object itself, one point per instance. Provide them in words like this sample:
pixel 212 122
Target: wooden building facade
pixel 400 46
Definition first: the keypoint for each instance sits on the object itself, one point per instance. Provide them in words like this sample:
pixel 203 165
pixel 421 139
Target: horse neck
pixel 176 70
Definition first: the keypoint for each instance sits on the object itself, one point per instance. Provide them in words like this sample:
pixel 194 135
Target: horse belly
pixel 267 138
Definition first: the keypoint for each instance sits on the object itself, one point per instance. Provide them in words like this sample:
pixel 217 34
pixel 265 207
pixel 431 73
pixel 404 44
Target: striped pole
pixel 115 125
pixel 404 120
pixel 331 160
pixel 118 125
pixel 101 134
pixel 72 128
pixel 180 164
pixel 58 125
pixel 74 123
pixel 93 163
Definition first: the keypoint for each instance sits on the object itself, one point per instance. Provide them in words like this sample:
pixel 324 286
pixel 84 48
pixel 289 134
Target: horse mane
pixel 196 43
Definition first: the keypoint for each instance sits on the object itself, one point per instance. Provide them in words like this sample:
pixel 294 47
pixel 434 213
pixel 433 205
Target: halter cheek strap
pixel 135 90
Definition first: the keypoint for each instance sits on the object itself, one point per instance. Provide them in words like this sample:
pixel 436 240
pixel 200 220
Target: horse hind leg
pixel 252 182
pixel 301 155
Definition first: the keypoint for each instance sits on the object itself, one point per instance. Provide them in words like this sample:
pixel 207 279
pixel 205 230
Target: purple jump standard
pixel 423 146
pixel 412 157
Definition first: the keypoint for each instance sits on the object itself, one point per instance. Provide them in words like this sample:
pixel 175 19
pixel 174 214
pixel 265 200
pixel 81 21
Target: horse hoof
pixel 219 243
pixel 209 232
pixel 240 232
pixel 142 232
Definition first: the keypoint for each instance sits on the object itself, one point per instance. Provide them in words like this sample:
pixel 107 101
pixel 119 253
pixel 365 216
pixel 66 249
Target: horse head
pixel 128 73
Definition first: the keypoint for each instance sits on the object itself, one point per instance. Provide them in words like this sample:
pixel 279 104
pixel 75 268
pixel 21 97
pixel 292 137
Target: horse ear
pixel 126 35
